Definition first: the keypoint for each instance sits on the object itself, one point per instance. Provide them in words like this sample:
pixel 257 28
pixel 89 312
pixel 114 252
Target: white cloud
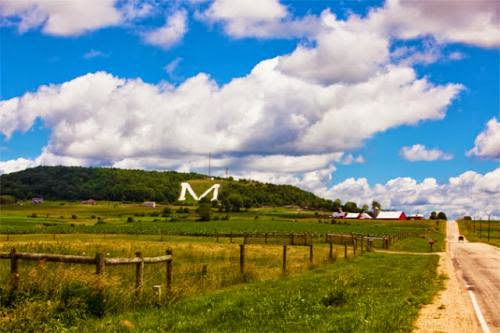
pixel 419 152
pixel 95 54
pixel 258 18
pixel 487 143
pixel 471 22
pixel 172 66
pixel 171 33
pixel 350 159
pixel 61 18
pixel 470 193
pixel 104 117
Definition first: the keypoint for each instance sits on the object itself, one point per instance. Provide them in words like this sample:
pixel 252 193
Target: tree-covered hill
pixel 79 183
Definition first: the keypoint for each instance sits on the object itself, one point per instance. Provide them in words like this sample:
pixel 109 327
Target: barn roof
pixel 364 216
pixel 352 215
pixel 389 215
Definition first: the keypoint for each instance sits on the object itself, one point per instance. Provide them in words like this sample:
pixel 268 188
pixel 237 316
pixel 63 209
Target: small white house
pixel 151 204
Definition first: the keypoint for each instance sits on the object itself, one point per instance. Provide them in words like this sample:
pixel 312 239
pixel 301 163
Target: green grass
pixel 477 231
pixel 373 293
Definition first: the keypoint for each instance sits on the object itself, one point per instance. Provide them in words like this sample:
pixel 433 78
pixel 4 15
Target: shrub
pixel 73 217
pixel 130 219
pixel 204 211
pixel 7 199
pixel 167 211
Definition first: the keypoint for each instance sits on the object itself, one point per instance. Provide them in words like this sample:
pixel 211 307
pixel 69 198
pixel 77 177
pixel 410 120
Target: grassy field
pixel 374 293
pixel 118 218
pixel 477 231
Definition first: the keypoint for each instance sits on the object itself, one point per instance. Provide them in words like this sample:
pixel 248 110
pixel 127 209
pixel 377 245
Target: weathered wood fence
pixel 285 240
pixel 100 262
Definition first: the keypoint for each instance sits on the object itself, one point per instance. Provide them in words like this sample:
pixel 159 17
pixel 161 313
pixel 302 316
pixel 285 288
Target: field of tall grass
pixel 74 291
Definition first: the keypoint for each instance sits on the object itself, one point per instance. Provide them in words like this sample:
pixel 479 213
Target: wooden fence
pixel 100 262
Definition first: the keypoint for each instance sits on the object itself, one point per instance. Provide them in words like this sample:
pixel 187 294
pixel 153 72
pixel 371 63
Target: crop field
pixel 477 231
pixel 118 218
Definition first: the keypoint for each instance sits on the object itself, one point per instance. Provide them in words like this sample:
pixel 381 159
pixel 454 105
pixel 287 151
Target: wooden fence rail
pixel 99 261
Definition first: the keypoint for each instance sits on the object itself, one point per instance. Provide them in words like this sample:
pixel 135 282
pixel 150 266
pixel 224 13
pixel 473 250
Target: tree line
pixel 81 183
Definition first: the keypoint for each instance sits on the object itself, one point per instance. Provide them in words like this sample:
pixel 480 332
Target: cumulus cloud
pixel 470 193
pixel 171 33
pixel 267 112
pixel 487 143
pixel 470 22
pixel 60 18
pixel 259 18
pixel 419 152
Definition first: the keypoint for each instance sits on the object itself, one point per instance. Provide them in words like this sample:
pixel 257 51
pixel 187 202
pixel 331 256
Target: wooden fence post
pixel 217 236
pixel 139 274
pixel 345 250
pixel 14 268
pixel 169 270
pixel 242 258
pixel 354 246
pixel 330 254
pixel 99 263
pixel 311 254
pixel 284 259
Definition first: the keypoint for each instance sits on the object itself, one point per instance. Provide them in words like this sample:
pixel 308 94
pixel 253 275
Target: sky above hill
pixel 396 101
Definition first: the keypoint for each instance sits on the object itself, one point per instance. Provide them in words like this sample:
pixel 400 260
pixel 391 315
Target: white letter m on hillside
pixel 186 187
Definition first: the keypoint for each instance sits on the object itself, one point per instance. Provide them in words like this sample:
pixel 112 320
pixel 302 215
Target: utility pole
pixel 489 221
pixel 226 172
pixel 480 223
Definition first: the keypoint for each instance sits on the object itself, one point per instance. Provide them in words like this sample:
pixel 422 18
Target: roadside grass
pixel 477 231
pixel 372 293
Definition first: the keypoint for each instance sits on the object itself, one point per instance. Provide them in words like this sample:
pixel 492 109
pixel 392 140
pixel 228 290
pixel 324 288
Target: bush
pixel 204 211
pixel 167 211
pixel 442 216
pixel 73 217
pixel 130 219
pixel 7 200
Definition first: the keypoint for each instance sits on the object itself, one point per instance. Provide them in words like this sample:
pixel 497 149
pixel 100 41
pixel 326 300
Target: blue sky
pixel 323 95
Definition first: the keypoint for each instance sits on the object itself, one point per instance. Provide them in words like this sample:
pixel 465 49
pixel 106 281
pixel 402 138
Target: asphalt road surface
pixel 478 266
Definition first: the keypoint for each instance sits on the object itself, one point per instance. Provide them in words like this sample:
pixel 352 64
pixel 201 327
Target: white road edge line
pixel 479 314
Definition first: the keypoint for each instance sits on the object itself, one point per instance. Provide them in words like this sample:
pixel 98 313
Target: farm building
pixel 391 215
pixel 338 215
pixel 37 201
pixel 416 217
pixel 89 202
pixel 351 216
pixel 364 216
pixel 151 204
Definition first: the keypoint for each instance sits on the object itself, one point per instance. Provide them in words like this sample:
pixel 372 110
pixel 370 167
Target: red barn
pixel 392 215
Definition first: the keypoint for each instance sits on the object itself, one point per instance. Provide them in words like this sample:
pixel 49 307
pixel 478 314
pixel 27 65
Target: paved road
pixel 478 265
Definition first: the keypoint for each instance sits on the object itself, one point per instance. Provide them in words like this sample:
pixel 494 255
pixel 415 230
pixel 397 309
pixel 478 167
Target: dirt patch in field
pixel 451 310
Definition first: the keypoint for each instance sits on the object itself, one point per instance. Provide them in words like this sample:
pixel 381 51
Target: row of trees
pixel 79 183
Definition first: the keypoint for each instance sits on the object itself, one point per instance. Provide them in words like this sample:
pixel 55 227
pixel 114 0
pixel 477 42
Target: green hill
pixel 79 183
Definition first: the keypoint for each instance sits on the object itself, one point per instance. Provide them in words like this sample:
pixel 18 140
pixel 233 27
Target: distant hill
pixel 79 183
